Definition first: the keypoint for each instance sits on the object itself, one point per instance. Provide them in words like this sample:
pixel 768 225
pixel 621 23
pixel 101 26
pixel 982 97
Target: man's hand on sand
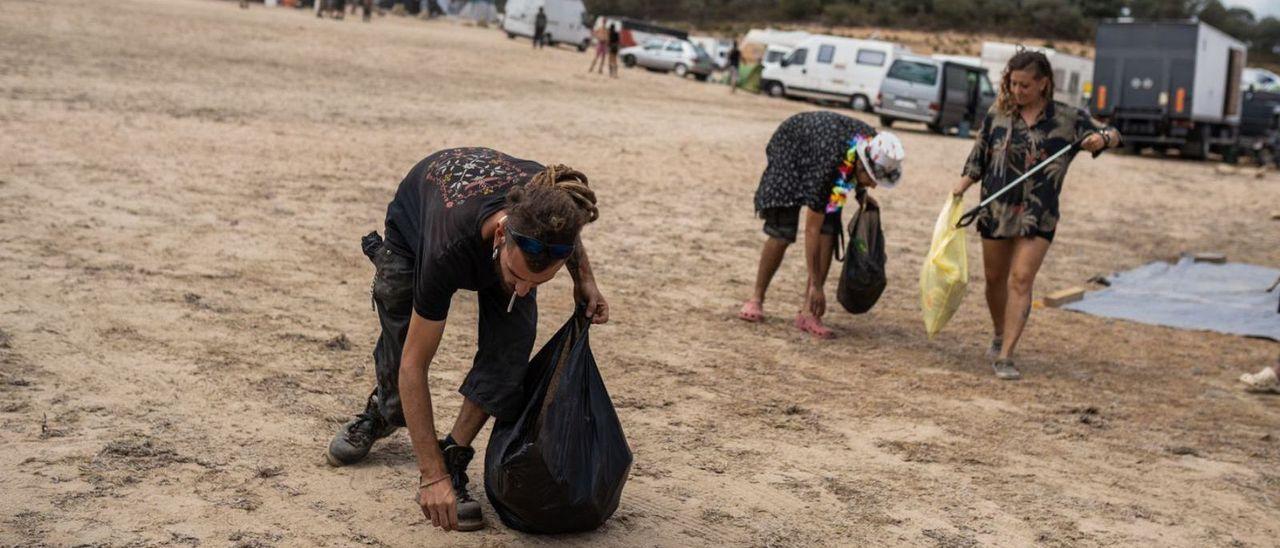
pixel 439 504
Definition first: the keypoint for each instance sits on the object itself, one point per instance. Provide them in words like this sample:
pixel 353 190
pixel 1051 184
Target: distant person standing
pixel 540 29
pixel 614 39
pixel 735 61
pixel 601 37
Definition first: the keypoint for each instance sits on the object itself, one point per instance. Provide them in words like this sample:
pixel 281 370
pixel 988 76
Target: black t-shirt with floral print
pixel 804 157
pixel 436 217
pixel 1006 148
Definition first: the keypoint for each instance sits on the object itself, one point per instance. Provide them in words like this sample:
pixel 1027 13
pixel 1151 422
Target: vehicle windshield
pixel 701 53
pixel 914 72
pixel 774 56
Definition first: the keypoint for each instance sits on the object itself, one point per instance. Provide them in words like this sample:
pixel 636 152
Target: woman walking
pixel 1023 129
pixel 816 159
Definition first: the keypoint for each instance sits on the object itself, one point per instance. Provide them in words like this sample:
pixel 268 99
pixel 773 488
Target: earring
pixel 495 252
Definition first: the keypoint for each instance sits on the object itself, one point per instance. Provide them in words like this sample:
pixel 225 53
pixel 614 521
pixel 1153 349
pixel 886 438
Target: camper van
pixel 567 21
pixel 1072 75
pixel 831 68
pixel 773 55
pixel 942 94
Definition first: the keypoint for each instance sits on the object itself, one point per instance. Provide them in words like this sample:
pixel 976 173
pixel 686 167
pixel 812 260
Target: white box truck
pixel 567 21
pixel 832 68
pixel 1170 85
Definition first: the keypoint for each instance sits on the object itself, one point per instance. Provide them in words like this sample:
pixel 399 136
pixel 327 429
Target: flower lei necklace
pixel 840 189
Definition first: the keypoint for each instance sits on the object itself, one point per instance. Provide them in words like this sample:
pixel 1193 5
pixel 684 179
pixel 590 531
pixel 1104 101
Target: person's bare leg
pixel 471 419
pixel 770 259
pixel 997 256
pixel 1028 255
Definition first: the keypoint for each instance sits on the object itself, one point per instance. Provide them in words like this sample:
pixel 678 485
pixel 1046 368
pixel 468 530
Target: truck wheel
pixel 681 70
pixel 546 39
pixel 582 47
pixel 1198 146
pixel 937 129
pixel 701 77
pixel 629 60
pixel 775 89
pixel 886 121
pixel 860 103
pixel 511 36
pixel 1231 155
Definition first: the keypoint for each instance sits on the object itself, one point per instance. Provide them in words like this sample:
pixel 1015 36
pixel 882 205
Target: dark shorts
pixel 496 379
pixel 784 222
pixel 985 232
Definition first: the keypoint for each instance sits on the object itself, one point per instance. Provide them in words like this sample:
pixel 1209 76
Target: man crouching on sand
pixel 480 220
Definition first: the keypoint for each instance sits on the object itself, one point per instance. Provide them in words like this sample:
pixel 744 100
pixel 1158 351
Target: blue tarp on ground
pixel 1226 298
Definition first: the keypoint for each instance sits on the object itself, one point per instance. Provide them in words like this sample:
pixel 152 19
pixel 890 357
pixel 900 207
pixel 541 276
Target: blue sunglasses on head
pixel 534 246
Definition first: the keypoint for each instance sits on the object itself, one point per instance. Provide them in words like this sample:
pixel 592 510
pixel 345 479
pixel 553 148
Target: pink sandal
pixel 813 326
pixel 752 311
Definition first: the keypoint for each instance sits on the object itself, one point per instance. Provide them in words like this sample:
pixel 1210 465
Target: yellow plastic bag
pixel 945 273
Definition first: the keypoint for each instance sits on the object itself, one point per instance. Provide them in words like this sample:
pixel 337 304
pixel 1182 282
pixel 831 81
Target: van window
pixel 675 46
pixel 914 72
pixel 826 53
pixel 1059 81
pixel 1074 86
pixel 985 85
pixel 774 56
pixel 871 57
pixel 653 44
pixel 797 57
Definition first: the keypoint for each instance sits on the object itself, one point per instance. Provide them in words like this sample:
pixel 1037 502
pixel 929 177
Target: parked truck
pixel 1170 85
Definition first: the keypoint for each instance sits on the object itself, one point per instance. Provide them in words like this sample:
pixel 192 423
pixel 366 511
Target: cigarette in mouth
pixel 512 303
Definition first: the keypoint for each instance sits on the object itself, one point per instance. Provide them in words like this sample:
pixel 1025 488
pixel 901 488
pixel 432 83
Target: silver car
pixel 679 56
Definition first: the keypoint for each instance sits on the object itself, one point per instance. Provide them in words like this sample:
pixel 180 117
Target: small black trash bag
pixel 560 467
pixel 862 279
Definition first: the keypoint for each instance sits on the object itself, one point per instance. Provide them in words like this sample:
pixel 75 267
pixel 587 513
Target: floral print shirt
pixel 1007 148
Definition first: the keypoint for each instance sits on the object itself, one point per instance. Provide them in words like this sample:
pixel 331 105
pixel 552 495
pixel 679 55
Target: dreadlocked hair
pixel 1025 59
pixel 553 207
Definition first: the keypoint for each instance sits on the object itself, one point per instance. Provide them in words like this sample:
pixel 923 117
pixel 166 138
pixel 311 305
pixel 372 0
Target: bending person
pixel 815 159
pixel 1022 129
pixel 480 220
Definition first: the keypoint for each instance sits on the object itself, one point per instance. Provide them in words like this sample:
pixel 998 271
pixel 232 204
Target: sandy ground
pixel 185 312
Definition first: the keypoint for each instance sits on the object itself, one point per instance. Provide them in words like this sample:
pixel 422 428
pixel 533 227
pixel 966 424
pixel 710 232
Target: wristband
pixel 423 484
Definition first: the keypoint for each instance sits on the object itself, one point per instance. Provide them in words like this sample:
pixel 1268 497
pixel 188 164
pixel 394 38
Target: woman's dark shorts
pixel 505 340
pixel 784 222
pixel 985 232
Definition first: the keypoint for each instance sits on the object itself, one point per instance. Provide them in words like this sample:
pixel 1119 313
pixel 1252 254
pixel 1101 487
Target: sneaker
pixel 1005 370
pixel 997 344
pixel 353 442
pixel 456 459
pixel 1262 381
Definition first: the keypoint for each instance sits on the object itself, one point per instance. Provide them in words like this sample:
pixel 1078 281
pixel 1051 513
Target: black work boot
pixel 456 459
pixel 355 438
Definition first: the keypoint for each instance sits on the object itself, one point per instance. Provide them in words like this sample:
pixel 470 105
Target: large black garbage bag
pixel 561 466
pixel 862 279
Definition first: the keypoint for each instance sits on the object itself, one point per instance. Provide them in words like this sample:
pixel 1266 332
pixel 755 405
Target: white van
pixel 773 55
pixel 567 21
pixel 831 68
